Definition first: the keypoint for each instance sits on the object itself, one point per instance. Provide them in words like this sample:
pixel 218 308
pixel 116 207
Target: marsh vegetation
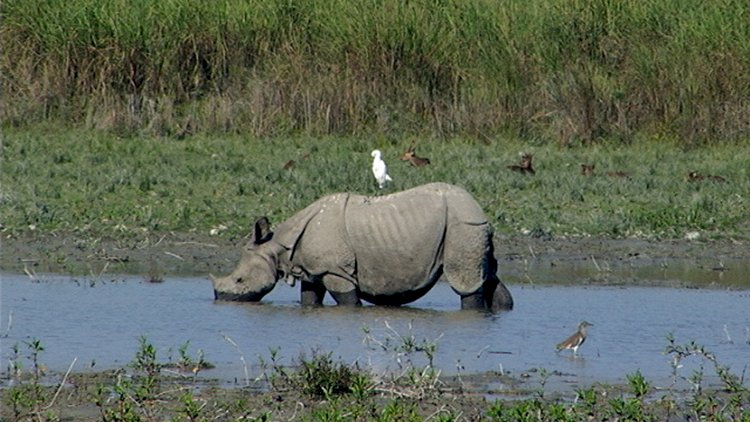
pixel 318 387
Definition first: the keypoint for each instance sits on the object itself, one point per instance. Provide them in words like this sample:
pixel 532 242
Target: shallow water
pixel 731 273
pixel 100 323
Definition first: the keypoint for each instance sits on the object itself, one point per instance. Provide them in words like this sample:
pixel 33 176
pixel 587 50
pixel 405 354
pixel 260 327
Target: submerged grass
pixel 94 184
pixel 545 69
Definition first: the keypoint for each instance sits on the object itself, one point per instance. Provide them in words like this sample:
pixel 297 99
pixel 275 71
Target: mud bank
pixel 678 263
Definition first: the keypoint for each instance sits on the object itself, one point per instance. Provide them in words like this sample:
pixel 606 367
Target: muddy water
pixel 100 321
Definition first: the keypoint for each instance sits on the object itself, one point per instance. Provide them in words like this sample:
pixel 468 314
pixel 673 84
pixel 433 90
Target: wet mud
pixel 667 263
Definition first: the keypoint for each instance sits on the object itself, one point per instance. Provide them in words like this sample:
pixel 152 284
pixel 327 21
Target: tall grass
pixel 550 69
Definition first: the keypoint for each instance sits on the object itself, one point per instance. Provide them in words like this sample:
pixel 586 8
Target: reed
pixel 558 70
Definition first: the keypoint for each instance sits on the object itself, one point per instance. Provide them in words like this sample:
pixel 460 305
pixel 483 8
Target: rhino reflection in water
pixel 386 250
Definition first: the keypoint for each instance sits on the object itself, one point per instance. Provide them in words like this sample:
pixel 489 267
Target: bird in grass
pixel 379 169
pixel 410 155
pixel 525 166
pixel 576 339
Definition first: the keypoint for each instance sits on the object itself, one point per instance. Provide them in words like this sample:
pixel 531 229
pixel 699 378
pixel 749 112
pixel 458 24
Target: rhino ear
pixel 261 231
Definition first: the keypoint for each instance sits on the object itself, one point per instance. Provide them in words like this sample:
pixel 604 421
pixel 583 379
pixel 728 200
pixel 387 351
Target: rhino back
pixel 462 207
pixel 397 240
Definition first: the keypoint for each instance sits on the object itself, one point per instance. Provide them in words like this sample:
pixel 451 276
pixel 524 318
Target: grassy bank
pixel 543 69
pixel 95 184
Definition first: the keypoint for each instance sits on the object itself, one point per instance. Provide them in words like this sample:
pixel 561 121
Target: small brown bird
pixel 410 155
pixel 618 174
pixel 694 176
pixel 588 170
pixel 290 163
pixel 576 339
pixel 525 166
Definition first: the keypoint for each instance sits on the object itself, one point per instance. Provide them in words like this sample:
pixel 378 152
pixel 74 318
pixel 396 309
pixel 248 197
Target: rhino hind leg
pixel 471 268
pixel 342 290
pixel 493 296
pixel 473 301
pixel 349 298
pixel 496 296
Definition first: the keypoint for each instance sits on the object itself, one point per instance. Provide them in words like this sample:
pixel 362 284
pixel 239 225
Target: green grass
pixel 96 184
pixel 546 69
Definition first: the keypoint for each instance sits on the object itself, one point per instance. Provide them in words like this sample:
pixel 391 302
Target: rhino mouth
pixel 237 297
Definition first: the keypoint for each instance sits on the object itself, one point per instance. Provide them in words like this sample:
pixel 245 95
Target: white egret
pixel 379 169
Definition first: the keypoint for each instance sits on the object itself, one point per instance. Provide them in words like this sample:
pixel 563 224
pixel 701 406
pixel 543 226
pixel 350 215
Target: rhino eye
pixel 240 280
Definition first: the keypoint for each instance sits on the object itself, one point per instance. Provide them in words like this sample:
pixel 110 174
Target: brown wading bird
pixel 410 155
pixel 525 166
pixel 576 339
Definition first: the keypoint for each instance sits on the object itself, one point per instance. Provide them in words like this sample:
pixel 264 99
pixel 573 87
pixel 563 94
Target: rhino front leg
pixel 342 290
pixel 312 293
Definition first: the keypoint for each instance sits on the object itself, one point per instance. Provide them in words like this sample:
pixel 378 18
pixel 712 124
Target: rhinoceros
pixel 386 250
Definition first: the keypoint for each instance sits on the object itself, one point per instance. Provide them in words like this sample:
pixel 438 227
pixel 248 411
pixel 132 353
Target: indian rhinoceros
pixel 386 250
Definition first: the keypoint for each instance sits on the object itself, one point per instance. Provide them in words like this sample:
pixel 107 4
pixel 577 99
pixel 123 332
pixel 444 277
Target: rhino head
pixel 256 274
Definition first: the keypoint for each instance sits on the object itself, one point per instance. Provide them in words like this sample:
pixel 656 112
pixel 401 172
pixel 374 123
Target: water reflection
pixel 100 322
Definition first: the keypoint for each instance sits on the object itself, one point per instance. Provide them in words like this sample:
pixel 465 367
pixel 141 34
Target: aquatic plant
pixel 404 347
pixel 413 379
pixel 135 395
pixel 273 372
pixel 192 408
pixel 138 395
pixel 187 363
pixel 703 405
pixel 29 397
pixel 26 398
pixel 321 377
